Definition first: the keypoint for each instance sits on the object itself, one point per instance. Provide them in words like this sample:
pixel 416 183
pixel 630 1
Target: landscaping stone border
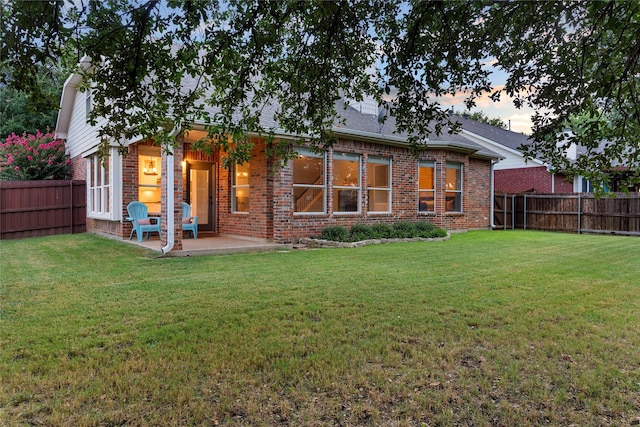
pixel 321 243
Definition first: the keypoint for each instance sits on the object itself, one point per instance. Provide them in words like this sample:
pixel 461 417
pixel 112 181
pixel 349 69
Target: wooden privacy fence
pixel 577 213
pixel 40 208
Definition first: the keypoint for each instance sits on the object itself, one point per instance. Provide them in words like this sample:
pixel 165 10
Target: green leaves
pixel 586 65
pixel 282 67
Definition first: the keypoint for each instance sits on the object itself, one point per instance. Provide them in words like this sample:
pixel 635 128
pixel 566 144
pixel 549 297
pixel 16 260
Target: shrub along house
pixel 369 176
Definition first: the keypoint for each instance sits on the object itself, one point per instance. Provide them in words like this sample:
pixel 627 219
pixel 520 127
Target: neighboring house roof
pixel 505 142
pixel 511 142
pixel 616 164
pixel 502 136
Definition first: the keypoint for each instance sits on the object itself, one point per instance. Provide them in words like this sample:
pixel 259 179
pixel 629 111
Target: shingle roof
pixel 356 124
pixel 365 123
pixel 501 136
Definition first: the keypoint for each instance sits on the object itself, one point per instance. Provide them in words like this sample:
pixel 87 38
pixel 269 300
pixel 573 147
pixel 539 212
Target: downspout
pixel 170 193
pixel 492 195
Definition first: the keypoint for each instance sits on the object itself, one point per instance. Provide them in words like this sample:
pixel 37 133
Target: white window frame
pixel 235 187
pixel 104 197
pixel 381 161
pixel 321 186
pixel 584 185
pixel 427 164
pixel 459 191
pixel 358 188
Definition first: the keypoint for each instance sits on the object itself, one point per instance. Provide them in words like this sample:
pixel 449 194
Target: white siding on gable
pixel 513 159
pixel 81 137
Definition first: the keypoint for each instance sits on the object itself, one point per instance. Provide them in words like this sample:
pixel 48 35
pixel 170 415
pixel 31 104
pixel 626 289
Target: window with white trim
pixel 346 182
pixel 104 199
pixel 426 187
pixel 98 186
pixel 585 185
pixel 309 184
pixel 240 188
pixel 378 184
pixel 453 187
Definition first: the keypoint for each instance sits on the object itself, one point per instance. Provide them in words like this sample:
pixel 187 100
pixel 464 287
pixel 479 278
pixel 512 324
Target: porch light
pixel 150 169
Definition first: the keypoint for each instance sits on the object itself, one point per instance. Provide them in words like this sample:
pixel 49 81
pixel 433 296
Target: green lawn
pixel 488 328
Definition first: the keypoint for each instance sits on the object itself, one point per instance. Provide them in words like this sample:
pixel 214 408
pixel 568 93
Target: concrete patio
pixel 218 245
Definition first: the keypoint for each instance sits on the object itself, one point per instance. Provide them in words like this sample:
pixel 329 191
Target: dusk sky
pixel 505 110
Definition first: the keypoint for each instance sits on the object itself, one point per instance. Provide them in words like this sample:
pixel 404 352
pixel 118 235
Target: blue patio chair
pixel 189 223
pixel 142 223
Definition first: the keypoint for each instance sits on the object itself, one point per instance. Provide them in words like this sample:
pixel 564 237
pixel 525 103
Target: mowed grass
pixel 488 328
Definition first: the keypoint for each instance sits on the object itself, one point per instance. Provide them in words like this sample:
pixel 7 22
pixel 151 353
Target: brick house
pixel 368 176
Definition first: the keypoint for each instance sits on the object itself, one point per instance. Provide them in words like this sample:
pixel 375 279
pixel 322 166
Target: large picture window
pixel 309 182
pixel 426 187
pixel 453 187
pixel 240 188
pixel 379 184
pixel 346 182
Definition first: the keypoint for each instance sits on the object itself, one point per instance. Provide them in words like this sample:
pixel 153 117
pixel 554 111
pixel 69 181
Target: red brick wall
pixel 478 198
pixel 129 184
pixel 258 222
pixel 106 228
pixel 79 168
pixel 536 179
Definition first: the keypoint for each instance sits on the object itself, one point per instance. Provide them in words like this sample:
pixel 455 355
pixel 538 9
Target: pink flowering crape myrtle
pixel 33 157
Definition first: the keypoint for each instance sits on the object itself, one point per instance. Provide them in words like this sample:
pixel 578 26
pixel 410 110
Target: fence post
pixel 504 208
pixel 71 204
pixel 513 211
pixel 579 213
pixel 524 212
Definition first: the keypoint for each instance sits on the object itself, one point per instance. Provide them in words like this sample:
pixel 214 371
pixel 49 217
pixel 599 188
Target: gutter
pixel 170 193
pixel 370 136
pixel 392 140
